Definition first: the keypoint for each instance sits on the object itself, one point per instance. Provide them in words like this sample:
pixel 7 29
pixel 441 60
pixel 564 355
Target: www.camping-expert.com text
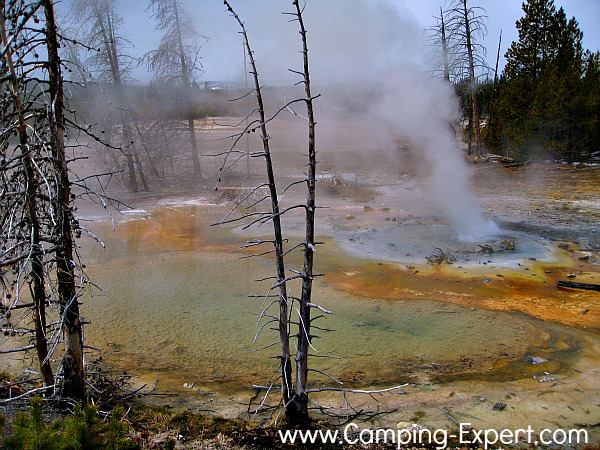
pixel 351 434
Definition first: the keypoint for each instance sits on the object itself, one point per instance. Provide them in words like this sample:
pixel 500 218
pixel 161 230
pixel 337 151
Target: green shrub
pixel 83 430
pixel 30 432
pixel 115 432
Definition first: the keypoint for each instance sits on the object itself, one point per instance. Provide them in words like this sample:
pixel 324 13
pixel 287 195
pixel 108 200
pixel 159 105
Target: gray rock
pixel 535 360
pixel 499 406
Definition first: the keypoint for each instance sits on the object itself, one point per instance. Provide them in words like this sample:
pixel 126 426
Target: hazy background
pixel 348 40
pixel 377 54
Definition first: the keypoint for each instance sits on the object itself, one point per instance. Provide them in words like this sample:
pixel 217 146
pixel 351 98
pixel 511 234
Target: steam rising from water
pixel 388 58
pixel 422 108
pixel 379 54
pixel 378 51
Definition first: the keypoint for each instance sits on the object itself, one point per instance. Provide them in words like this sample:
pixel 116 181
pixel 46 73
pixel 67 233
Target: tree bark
pixel 38 278
pixel 473 83
pixel 299 413
pixel 73 385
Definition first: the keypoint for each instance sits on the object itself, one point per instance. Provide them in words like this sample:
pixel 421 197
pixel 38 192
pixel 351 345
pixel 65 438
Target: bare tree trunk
pixel 300 400
pixel 470 130
pixel 495 85
pixel 153 168
pixel 73 365
pixel 446 61
pixel 287 389
pixel 108 39
pixel 497 60
pixel 139 168
pixel 445 57
pixel 133 185
pixel 164 135
pixel 472 82
pixel 193 142
pixel 38 289
pixel 185 81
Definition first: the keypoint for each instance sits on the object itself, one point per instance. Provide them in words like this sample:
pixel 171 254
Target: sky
pixel 348 39
pixel 503 14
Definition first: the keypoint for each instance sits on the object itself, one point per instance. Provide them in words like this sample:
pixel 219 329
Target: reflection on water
pixel 177 300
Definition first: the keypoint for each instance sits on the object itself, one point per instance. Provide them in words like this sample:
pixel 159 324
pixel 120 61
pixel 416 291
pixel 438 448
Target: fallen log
pixel 577 285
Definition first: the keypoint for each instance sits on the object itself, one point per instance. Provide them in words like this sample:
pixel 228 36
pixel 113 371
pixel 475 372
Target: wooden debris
pixel 577 285
pixel 439 256
pixel 485 248
pixel 500 159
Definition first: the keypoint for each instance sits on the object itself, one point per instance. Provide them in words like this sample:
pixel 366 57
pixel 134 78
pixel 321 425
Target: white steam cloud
pixel 372 45
pixel 422 108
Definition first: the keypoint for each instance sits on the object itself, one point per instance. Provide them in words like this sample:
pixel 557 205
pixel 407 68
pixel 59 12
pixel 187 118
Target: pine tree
pixel 560 88
pixel 539 101
pixel 523 71
pixel 590 92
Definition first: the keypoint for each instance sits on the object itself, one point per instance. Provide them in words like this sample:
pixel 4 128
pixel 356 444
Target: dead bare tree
pixel 467 22
pixel 439 41
pixel 300 399
pixel 37 223
pixel 462 56
pixel 107 62
pixel 178 58
pixel 275 214
pixel 73 385
pixel 22 172
pixel 293 310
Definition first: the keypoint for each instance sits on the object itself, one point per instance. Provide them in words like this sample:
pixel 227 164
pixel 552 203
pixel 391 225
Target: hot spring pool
pixel 177 304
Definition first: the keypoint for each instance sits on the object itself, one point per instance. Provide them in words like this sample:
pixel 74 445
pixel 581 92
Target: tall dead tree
pixel 472 81
pixel 443 57
pixel 38 228
pixel 178 58
pixel 287 389
pixel 292 310
pixel 445 50
pixel 29 233
pixel 462 25
pixel 73 385
pixel 300 399
pixel 107 63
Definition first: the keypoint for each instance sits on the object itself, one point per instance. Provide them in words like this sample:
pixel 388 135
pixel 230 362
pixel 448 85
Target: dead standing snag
pixel 40 271
pixel 73 385
pixel 298 411
pixel 294 386
pixel 33 233
pixel 275 215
